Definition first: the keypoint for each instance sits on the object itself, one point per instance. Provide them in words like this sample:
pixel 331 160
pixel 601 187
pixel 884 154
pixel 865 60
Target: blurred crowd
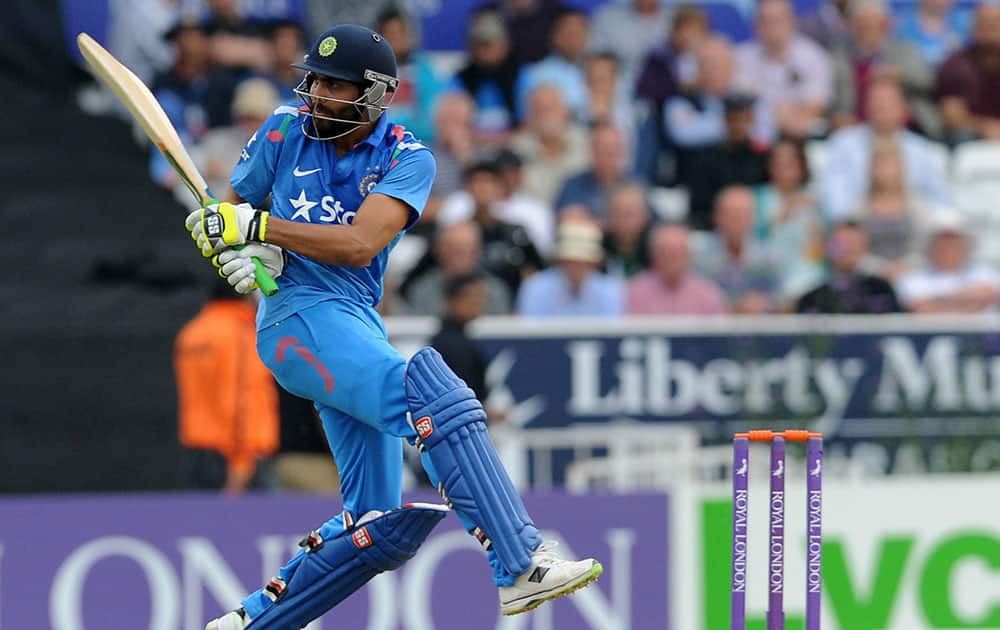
pixel 635 161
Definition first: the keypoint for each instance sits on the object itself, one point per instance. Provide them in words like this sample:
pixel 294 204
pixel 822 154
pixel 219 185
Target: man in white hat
pixel 574 285
pixel 950 283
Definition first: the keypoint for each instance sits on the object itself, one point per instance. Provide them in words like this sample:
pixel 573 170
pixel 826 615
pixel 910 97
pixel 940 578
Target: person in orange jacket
pixel 227 398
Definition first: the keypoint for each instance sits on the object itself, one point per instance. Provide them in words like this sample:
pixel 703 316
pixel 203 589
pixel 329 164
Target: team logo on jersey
pixel 368 183
pixel 327 46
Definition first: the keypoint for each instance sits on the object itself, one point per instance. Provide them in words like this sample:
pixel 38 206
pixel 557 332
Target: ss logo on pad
pixel 424 427
pixel 361 538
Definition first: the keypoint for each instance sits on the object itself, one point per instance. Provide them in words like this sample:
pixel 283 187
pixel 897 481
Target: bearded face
pixel 333 108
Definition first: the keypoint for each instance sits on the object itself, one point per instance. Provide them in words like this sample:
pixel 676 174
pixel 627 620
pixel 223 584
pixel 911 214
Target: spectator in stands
pixel 508 251
pixel 136 30
pixel 517 207
pixel 849 290
pixel 845 179
pixel 696 117
pixel 454 150
pixel 514 206
pixel 322 13
pixel 286 37
pixel 895 219
pixel 789 221
pixel 227 399
pixel 237 43
pixel 746 269
pixel 968 83
pixel 869 52
pixel 195 94
pixel 413 101
pixel 664 71
pixel 227 16
pixel 626 234
pixel 672 65
pixel 465 301
pixel 935 28
pixel 736 160
pixel 459 252
pixel 789 72
pixel 608 101
pixel 529 23
pixel 303 462
pixel 490 77
pixel 221 147
pixel 949 283
pixel 563 67
pixel 607 168
pixel 574 286
pixel 669 287
pixel 630 30
pixel 454 141
pixel 827 24
pixel 551 145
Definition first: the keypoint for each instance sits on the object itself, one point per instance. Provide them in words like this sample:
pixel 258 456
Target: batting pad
pixel 333 569
pixel 451 425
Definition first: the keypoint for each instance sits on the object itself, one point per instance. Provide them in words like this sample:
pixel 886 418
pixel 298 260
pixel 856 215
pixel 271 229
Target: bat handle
pixel 264 280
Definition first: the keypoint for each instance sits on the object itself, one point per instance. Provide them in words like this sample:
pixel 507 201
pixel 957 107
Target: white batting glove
pixel 221 225
pixel 238 269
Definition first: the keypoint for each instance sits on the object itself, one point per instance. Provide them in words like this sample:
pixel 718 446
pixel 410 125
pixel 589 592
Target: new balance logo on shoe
pixel 538 574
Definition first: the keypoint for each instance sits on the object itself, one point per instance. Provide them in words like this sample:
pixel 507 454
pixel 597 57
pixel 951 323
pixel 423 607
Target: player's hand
pixel 237 267
pixel 221 225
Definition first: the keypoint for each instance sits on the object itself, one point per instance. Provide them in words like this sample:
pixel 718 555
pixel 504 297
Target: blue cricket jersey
pixel 309 183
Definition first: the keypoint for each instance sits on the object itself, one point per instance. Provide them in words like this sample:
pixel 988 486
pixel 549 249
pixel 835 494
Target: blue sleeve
pixel 688 127
pixel 409 179
pixel 254 172
pixel 528 303
pixel 613 303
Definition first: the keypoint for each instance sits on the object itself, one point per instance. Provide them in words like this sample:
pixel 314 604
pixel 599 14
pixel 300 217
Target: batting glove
pixel 237 267
pixel 221 225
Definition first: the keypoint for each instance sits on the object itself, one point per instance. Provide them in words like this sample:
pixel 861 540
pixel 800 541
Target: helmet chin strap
pixel 369 105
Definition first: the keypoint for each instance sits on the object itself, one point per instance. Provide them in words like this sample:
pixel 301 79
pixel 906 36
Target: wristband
pixel 257 230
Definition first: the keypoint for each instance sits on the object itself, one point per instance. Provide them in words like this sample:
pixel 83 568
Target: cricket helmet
pixel 356 54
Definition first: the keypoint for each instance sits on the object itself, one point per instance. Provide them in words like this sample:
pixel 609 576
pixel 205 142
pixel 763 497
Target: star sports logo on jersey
pixel 333 212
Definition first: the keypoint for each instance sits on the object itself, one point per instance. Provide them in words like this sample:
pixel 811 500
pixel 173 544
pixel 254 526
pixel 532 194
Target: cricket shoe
pixel 232 620
pixel 548 577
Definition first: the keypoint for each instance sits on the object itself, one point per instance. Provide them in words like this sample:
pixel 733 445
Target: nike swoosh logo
pixel 299 173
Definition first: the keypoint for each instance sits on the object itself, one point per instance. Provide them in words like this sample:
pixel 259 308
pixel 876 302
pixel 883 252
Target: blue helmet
pixel 356 54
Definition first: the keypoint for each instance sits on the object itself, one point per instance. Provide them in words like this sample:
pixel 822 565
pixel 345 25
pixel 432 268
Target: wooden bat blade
pixel 146 110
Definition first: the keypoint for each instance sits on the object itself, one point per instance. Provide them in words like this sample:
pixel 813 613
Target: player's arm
pixel 379 219
pixel 394 205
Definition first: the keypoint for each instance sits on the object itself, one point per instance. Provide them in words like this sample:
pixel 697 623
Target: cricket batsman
pixel 345 184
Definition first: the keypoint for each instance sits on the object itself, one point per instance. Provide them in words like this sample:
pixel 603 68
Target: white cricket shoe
pixel 548 577
pixel 232 620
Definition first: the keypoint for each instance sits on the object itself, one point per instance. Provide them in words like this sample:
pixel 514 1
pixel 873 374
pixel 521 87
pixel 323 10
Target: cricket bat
pixel 141 103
